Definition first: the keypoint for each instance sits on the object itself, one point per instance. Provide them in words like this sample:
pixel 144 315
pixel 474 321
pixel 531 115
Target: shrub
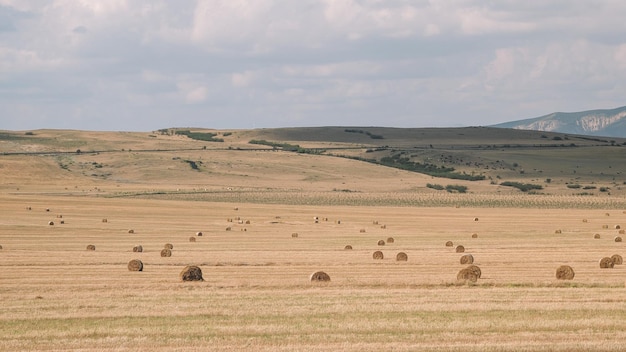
pixel 524 187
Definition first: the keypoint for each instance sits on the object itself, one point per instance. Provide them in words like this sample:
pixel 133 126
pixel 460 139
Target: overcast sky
pixel 143 65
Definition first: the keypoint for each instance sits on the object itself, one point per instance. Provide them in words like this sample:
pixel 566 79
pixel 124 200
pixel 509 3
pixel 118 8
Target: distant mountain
pixel 608 123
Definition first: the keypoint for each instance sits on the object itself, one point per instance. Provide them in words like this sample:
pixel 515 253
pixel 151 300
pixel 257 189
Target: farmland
pixel 256 294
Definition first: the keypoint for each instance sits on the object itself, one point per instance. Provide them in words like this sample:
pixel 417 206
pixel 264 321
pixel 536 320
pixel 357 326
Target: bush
pixel 456 188
pixel 435 186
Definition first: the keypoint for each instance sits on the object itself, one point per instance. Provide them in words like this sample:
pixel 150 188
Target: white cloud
pixel 395 62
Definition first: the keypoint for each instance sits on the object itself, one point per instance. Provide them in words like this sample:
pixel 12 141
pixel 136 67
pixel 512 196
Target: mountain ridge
pixel 598 122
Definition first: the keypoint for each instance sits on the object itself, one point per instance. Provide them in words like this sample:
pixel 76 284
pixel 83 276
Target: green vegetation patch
pixel 201 136
pixel 524 187
pixel 370 134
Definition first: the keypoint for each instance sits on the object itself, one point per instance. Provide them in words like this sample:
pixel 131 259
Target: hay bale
pixel 621 232
pixel 475 269
pixel 228 228
pixel 131 231
pixel 383 226
pixel 618 239
pixel 168 246
pixel 294 235
pixel 449 244
pixel 348 247
pixel 390 240
pixel 605 226
pixel 617 259
pixel 59 216
pixel 557 231
pixel 138 249
pixel 62 222
pixel 467 259
pixel 47 209
pixel 192 239
pixel 565 272
pixel 166 252
pixel 475 219
pixel 460 249
pixel 375 222
pixel 198 233
pixel 362 230
pixel 606 263
pixel 319 276
pixel 617 227
pixel 105 220
pixel 135 265
pixel 585 220
pixel 381 243
pixel 0 247
pixel 378 255
pixel 191 273
pixel 596 236
pixel 474 235
pixel 607 214
pixel 91 247
pixel 402 257
pixel 51 223
pixel 338 222
pixel 466 275
pixel 247 222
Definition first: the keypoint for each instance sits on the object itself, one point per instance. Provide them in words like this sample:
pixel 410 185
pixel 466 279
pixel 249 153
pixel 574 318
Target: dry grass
pixel 257 294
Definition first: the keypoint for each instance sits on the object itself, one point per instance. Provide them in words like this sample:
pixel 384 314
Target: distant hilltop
pixel 608 123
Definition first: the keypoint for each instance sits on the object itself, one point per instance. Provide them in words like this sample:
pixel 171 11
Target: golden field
pixel 256 293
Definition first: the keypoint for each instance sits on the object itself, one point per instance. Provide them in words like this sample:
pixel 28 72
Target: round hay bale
pixel 475 219
pixel 621 232
pixel 557 231
pixel 378 255
pixel 62 222
pixel 166 252
pixel 605 226
pixel 362 230
pixel 617 259
pixel 138 248
pixel 192 239
pixel 607 214
pixel 191 273
pixel 198 233
pixel 319 276
pixel 383 226
pixel 47 209
pixel 565 272
pixel 381 243
pixel 475 269
pixel 228 228
pixel 135 265
pixel 59 216
pixel 294 235
pixel 105 220
pixel 348 247
pixel 91 247
pixel 618 239
pixel 467 259
pixel 402 257
pixel 606 263
pixel 449 244
pixel 617 227
pixel 585 220
pixel 466 275
pixel 596 236
pixel 0 247
pixel 390 240
pixel 168 246
pixel 247 222
pixel 460 249
pixel 474 235
pixel 51 223
pixel 131 231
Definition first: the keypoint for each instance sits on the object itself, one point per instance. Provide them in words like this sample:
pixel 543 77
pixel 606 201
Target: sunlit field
pixel 256 292
pixel 259 223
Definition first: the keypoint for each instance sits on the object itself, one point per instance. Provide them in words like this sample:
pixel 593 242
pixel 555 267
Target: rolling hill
pixel 607 122
pixel 331 162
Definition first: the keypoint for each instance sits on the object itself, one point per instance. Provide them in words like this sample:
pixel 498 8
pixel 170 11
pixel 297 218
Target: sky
pixel 135 65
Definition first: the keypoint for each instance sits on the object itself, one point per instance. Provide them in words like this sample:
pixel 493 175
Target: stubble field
pixel 260 243
pixel 257 295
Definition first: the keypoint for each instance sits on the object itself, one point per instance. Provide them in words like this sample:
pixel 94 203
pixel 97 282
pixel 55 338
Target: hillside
pixel 608 123
pixel 329 164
